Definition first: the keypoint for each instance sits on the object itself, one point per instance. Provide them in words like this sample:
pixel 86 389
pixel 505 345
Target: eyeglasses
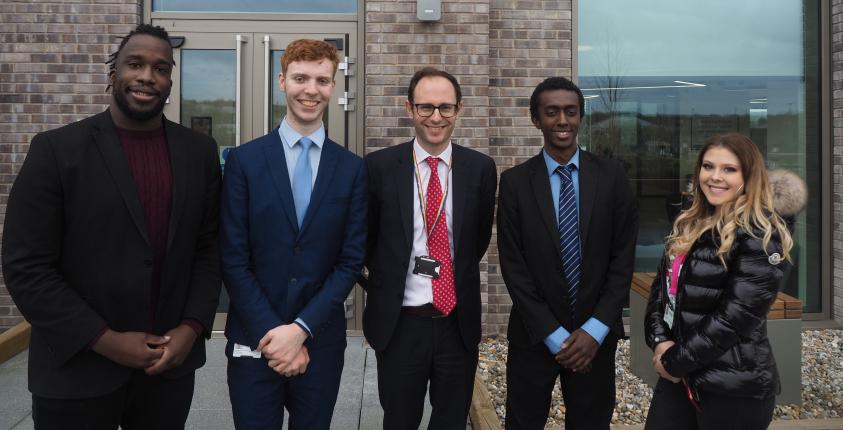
pixel 446 110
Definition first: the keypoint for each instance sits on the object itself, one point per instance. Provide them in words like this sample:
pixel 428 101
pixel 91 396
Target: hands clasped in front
pixel 284 349
pixel 138 350
pixel 577 351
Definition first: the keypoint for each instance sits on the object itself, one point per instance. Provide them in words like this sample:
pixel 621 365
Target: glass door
pixel 225 84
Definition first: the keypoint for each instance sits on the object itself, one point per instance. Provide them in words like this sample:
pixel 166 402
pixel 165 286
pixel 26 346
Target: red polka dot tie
pixel 444 295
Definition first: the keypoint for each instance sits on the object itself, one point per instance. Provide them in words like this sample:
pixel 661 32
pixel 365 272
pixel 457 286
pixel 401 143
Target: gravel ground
pixel 822 381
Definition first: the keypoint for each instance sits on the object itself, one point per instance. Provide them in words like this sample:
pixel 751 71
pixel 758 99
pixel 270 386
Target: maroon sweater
pixel 149 163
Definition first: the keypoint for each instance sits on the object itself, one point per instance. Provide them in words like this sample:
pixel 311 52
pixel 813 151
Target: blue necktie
pixel 569 233
pixel 302 179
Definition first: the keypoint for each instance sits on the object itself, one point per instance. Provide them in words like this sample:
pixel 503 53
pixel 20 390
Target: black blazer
pixel 391 175
pixel 76 254
pixel 530 256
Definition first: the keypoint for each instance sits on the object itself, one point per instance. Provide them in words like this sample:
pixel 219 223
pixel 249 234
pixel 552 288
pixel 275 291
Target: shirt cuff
pixel 197 326
pixel 596 329
pixel 299 322
pixel 555 339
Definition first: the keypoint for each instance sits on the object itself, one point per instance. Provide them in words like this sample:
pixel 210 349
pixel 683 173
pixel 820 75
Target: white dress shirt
pixel 418 290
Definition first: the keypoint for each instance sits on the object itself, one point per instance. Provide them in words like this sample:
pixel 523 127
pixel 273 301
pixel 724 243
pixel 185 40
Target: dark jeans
pixel 671 410
pixel 143 402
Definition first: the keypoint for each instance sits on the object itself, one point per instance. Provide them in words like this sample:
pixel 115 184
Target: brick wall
pixel 530 40
pixel 397 45
pixel 837 156
pixel 51 74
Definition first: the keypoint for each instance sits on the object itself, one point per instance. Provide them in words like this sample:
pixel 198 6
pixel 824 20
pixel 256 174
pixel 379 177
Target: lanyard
pixel 423 202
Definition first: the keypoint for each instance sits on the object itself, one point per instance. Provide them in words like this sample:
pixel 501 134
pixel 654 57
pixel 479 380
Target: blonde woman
pixel 706 316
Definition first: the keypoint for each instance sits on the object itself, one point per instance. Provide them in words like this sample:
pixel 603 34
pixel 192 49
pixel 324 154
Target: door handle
pixel 240 40
pixel 267 95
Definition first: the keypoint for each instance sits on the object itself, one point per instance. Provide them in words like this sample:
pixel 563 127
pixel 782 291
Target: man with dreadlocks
pixel 110 252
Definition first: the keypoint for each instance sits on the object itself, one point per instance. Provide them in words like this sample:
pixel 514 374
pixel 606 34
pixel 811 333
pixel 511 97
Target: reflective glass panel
pixel 661 76
pixel 276 6
pixel 207 101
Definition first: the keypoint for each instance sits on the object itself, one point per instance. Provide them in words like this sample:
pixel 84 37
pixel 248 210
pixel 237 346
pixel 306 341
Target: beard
pixel 122 101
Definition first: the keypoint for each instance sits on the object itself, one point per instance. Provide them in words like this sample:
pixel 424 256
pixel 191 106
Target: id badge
pixel 668 311
pixel 427 266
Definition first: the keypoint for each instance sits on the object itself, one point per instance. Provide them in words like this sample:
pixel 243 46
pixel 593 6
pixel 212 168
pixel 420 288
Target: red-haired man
pixel 292 237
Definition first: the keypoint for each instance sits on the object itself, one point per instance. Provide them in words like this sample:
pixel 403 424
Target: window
pixel 661 76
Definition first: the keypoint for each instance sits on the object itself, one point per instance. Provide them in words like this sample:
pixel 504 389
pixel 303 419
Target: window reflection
pixel 653 99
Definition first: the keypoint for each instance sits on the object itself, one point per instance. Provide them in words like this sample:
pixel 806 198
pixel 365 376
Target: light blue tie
pixel 569 233
pixel 302 179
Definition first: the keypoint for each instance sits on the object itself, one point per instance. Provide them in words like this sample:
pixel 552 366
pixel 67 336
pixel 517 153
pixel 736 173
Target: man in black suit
pixel 567 225
pixel 110 252
pixel 431 205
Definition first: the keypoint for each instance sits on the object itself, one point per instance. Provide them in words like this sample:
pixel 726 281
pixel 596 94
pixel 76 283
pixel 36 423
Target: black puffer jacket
pixel 720 328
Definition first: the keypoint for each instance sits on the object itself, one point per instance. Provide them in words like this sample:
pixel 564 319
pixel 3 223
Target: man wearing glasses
pixel 431 205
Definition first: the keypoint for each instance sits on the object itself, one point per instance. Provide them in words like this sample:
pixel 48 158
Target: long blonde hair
pixel 752 211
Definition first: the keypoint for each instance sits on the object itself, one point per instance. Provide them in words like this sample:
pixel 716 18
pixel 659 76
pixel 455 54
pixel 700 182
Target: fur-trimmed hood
pixel 790 193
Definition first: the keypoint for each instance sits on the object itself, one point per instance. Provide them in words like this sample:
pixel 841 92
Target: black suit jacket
pixel 391 175
pixel 530 256
pixel 76 255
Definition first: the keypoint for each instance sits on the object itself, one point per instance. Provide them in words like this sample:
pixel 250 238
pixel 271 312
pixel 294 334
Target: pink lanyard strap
pixel 674 274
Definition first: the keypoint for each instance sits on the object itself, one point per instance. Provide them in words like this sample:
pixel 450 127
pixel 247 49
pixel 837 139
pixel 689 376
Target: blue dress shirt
pixel 593 326
pixel 292 152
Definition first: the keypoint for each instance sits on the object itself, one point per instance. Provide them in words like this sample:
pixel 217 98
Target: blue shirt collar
pixel 290 137
pixel 552 164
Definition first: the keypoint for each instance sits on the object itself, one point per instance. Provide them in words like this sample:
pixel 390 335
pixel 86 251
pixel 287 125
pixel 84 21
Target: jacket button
pixel 147 263
pixel 293 281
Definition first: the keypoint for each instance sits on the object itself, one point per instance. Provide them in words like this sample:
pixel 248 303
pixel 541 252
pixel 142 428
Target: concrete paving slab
pixel 18 360
pixel 371 414
pixel 16 401
pixel 26 424
pixel 347 410
pixel 217 419
pixel 211 390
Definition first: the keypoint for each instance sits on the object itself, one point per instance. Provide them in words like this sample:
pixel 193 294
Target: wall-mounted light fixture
pixel 429 10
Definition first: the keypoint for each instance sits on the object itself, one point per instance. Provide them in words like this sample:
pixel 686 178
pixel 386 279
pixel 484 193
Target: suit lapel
pixel 327 167
pixel 540 183
pixel 105 136
pixel 180 164
pixel 277 166
pixel 588 189
pixel 459 188
pixel 404 177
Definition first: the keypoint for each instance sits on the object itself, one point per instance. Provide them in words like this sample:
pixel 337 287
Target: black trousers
pixel 531 373
pixel 671 410
pixel 142 403
pixel 423 350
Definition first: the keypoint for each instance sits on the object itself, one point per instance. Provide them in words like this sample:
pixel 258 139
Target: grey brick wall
pixel 529 40
pixel 837 156
pixel 397 45
pixel 51 74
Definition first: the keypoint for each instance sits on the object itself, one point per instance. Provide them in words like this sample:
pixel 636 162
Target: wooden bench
pixel 784 327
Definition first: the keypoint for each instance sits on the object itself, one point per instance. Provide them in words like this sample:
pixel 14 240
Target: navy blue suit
pixel 276 272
